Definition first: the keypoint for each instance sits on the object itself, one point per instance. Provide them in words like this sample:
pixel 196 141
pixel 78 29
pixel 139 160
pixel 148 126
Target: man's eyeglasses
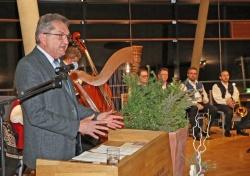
pixel 144 76
pixel 60 36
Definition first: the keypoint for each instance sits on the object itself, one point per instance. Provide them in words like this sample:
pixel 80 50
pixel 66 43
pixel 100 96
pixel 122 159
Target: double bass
pixel 96 97
pixel 130 55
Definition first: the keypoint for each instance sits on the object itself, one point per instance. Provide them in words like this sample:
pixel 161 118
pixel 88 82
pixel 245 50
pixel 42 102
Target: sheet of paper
pixel 130 148
pixel 126 149
pixel 91 157
pixel 99 154
pixel 101 149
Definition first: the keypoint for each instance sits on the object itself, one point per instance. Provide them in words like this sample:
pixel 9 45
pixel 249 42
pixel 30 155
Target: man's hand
pixel 199 106
pixel 93 128
pixel 113 121
pixel 230 102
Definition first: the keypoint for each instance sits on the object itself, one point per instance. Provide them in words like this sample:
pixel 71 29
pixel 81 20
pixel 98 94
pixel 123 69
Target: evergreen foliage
pixel 153 108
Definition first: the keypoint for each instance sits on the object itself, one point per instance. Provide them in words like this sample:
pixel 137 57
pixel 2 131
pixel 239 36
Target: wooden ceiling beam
pixel 199 34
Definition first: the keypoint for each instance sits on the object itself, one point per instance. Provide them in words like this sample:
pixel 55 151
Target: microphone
pixel 66 68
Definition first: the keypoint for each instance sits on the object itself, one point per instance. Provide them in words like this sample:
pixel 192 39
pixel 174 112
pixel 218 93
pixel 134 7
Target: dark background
pixel 155 53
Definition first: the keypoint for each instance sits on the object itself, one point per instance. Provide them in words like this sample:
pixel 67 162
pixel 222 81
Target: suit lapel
pixel 45 64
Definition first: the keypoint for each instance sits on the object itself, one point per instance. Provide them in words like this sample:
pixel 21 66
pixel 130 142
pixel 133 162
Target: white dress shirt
pixel 49 57
pixel 217 95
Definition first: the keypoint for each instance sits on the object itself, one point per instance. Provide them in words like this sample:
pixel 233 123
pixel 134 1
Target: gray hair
pixel 45 23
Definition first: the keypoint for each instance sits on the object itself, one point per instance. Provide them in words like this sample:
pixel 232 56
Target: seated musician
pixel 200 100
pixel 88 95
pixel 163 77
pixel 72 55
pixel 226 95
pixel 143 76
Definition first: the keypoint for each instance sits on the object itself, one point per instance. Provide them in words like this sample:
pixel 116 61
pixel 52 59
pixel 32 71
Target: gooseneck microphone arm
pixel 56 82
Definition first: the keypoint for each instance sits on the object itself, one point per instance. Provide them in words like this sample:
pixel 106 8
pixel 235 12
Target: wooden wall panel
pixel 240 29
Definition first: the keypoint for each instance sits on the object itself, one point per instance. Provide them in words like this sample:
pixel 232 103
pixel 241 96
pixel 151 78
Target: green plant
pixel 153 108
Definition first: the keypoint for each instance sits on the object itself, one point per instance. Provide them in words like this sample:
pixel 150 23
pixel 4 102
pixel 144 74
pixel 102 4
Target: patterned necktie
pixel 57 64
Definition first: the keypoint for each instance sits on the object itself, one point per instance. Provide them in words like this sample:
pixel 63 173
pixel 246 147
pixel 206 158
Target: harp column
pixel 28 16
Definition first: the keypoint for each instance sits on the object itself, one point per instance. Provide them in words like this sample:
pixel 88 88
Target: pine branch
pixel 151 107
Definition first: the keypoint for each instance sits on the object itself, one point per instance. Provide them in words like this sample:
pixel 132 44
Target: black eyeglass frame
pixel 61 36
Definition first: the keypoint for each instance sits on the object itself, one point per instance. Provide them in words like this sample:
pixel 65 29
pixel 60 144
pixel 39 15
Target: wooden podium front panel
pixel 66 168
pixel 153 159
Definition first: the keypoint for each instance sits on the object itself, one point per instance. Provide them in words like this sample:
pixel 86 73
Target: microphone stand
pixel 56 82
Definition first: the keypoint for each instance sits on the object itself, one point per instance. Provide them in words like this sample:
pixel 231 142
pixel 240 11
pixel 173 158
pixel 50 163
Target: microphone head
pixel 66 68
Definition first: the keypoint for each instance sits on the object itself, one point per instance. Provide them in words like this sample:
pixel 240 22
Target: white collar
pixel 49 57
pixel 224 84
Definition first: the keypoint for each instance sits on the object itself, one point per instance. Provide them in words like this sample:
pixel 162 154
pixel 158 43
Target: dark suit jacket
pixel 51 119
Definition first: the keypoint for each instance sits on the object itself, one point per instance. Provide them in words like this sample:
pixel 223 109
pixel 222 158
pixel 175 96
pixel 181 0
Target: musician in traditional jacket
pixel 53 120
pixel 200 100
pixel 226 95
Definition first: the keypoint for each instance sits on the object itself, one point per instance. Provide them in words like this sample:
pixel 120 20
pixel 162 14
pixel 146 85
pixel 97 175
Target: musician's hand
pixel 93 128
pixel 113 121
pixel 230 102
pixel 199 106
pixel 231 105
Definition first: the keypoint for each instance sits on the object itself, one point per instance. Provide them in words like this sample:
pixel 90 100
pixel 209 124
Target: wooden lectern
pixel 153 159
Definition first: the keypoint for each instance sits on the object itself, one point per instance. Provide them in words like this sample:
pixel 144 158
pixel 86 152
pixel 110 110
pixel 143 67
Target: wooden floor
pixel 228 154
